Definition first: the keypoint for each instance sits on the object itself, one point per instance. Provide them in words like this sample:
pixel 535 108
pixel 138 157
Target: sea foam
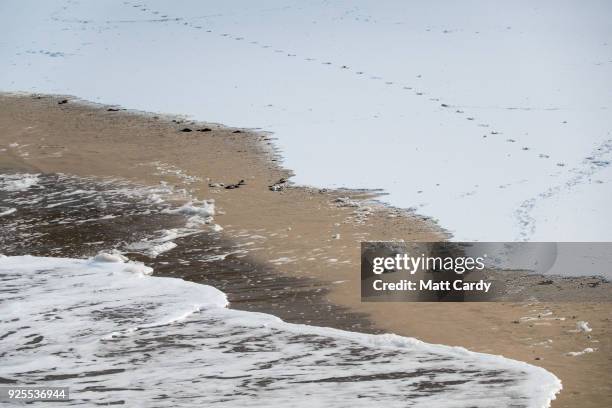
pixel 17 182
pixel 112 333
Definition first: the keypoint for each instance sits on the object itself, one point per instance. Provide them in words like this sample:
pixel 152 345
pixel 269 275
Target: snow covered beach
pixel 493 121
pixel 162 201
pixel 499 111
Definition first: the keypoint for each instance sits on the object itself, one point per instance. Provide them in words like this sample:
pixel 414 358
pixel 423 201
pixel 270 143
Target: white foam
pixel 110 257
pixel 583 327
pixel 7 211
pixel 111 334
pixel 17 182
pixel 580 353
pixel 165 169
pixel 81 193
pixel 199 214
pixel 155 246
pixel 200 208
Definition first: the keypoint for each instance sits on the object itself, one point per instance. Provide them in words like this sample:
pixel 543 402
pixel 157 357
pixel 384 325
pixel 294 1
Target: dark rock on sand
pixel 204 130
pixel 63 101
pixel 233 186
pixel 185 130
pixel 546 282
pixel 279 185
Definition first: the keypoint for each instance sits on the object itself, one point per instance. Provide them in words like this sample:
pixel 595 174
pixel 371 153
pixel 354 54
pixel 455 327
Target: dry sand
pixel 300 231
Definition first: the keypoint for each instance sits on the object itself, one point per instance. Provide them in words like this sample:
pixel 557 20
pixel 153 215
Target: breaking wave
pixel 113 333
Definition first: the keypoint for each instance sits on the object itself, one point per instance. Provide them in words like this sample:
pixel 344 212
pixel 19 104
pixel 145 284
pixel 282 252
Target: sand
pixel 300 231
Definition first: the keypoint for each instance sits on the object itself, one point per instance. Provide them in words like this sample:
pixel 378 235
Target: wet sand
pixel 299 234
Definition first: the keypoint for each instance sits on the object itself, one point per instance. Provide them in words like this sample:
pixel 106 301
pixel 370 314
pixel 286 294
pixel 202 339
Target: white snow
pixel 494 118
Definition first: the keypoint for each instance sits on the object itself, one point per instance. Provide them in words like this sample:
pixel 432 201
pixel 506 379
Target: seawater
pixel 113 332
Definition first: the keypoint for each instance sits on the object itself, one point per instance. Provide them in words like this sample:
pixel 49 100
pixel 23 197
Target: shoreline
pixel 78 138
